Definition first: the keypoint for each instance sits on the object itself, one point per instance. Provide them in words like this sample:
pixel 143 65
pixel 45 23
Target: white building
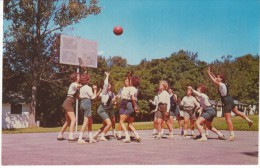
pixel 15 111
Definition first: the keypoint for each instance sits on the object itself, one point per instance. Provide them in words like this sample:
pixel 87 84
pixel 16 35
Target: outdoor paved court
pixel 44 149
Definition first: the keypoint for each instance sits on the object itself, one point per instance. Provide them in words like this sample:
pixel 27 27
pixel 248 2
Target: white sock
pixel 80 135
pixel 207 132
pixel 162 131
pixel 171 133
pixel 90 135
pixel 71 135
pixel 97 133
pixel 232 133
pixel 102 135
pixel 185 132
pixel 127 135
pixel 203 135
pixel 60 134
pixel 219 133
pixel 136 134
pixel 119 134
pixel 192 132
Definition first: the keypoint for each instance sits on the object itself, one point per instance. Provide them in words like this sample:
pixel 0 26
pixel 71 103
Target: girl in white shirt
pixel 86 95
pixel 105 108
pixel 127 106
pixel 132 106
pixel 190 105
pixel 208 113
pixel 68 106
pixel 163 109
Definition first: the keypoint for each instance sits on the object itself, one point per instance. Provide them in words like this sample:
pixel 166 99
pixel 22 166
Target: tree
pixel 30 37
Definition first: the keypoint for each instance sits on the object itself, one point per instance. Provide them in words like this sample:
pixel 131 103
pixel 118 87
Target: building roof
pixel 16 98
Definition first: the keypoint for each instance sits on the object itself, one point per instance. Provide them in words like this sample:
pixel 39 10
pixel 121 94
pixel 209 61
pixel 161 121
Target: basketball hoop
pixel 83 64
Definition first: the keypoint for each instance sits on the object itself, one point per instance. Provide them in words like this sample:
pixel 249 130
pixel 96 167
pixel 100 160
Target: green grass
pixel 219 123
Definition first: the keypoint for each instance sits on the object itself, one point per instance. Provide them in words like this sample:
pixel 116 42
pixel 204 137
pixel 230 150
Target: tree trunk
pixel 32 112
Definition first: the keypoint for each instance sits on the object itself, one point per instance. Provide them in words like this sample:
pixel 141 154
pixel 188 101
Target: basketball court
pixel 44 149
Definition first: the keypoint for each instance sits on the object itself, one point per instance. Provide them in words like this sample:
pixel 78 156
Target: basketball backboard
pixel 73 48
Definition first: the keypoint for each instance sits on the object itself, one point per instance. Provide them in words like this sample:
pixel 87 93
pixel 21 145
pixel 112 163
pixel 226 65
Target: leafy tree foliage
pixel 30 38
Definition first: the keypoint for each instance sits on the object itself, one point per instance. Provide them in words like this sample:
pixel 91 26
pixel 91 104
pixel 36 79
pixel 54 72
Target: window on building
pixel 16 109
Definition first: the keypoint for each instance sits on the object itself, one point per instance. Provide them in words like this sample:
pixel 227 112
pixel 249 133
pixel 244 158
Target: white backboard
pixel 73 48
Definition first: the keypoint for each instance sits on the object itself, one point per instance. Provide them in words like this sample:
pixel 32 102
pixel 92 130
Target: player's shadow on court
pixel 254 154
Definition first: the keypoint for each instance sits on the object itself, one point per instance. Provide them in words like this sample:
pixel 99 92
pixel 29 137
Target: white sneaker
pixel 171 137
pixel 158 137
pixel 114 134
pixel 102 138
pixel 126 140
pixel 231 138
pixel 81 141
pixel 92 140
pixel 202 139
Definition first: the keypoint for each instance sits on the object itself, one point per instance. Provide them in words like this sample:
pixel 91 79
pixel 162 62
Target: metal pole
pixel 77 108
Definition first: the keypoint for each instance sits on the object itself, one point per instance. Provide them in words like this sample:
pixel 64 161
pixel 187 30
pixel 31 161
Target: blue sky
pixel 156 28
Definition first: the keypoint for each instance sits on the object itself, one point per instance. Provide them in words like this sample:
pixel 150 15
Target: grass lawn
pixel 219 123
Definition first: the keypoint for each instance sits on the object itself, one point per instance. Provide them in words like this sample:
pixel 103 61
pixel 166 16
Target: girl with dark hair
pixel 105 109
pixel 128 106
pixel 68 106
pixel 134 84
pixel 228 103
pixel 208 113
pixel 86 95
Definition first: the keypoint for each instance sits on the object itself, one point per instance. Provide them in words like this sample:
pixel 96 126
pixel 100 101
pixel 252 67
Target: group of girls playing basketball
pixel 166 107
pixel 79 89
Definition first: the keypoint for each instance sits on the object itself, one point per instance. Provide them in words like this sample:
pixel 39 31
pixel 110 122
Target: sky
pixel 155 29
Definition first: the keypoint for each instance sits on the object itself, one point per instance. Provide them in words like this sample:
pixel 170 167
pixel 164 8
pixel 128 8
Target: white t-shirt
pixel 164 97
pixel 133 92
pixel 104 94
pixel 73 88
pixel 223 89
pixel 124 93
pixel 204 99
pixel 86 92
pixel 189 101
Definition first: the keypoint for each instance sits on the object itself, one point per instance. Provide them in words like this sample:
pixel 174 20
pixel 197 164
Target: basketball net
pixel 83 64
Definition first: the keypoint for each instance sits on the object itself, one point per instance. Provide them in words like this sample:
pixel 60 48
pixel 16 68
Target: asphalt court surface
pixel 44 149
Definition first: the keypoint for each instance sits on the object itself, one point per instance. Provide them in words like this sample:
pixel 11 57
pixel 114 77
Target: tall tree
pixel 33 26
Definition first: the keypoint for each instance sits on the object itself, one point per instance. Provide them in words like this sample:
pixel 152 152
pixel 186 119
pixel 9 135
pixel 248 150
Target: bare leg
pixel 72 124
pixel 237 112
pixel 122 123
pixel 186 120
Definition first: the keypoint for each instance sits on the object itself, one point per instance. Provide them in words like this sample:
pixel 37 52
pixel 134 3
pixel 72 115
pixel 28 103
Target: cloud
pixel 100 53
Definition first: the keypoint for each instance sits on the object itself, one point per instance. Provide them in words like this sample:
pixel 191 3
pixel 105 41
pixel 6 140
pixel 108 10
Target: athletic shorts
pixel 208 113
pixel 189 114
pixel 229 104
pixel 102 112
pixel 126 109
pixel 161 112
pixel 85 106
pixel 68 104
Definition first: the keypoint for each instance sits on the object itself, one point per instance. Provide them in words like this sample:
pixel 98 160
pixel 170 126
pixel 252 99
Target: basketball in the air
pixel 118 30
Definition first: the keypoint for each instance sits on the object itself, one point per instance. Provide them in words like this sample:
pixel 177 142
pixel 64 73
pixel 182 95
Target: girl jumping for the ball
pixel 228 102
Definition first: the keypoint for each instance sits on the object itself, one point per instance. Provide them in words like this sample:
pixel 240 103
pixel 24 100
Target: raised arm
pixel 212 77
pixel 105 86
